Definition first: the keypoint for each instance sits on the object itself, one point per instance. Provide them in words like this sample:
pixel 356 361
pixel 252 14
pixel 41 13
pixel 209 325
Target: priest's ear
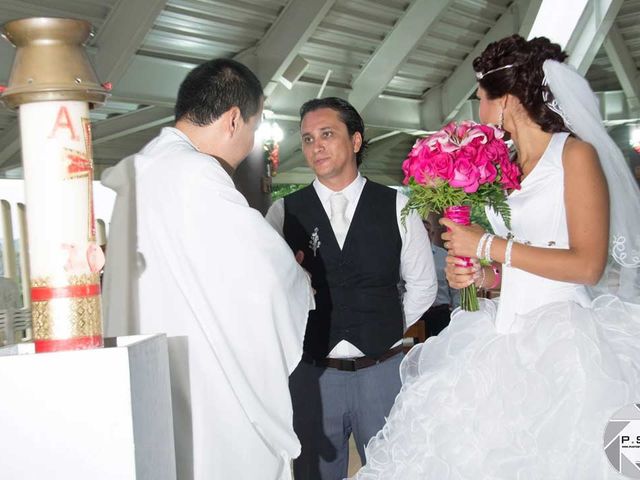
pixel 232 119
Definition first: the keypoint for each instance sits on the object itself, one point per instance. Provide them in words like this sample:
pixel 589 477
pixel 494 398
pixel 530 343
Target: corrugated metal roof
pixel 345 41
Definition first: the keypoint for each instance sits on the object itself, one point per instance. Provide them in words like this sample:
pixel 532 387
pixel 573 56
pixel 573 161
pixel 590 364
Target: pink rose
pixel 441 165
pixel 473 153
pixel 490 132
pixel 509 178
pixel 465 175
pixel 498 133
pixel 486 169
pixel 408 167
pixel 415 167
pixel 495 152
pixel 468 152
pixel 412 163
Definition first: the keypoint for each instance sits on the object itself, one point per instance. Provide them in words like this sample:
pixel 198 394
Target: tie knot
pixel 338 205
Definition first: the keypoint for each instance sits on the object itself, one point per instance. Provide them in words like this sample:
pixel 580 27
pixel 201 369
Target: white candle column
pixel 53 85
pixel 65 260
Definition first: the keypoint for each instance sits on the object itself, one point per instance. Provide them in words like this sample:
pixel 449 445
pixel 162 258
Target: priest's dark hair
pixel 214 87
pixel 348 114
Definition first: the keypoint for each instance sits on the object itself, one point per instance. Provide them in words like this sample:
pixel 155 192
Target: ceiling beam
pixel 7 52
pixel 558 21
pixel 278 48
pixel 269 59
pixel 578 26
pixel 122 34
pixel 10 136
pixel 624 66
pixel 392 113
pixel 9 142
pixel 614 107
pixel 442 103
pixel 117 42
pixel 393 52
pixel 592 29
pixel 120 37
pixel 128 123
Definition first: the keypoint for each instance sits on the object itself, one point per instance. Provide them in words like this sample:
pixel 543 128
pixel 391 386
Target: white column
pixel 8 249
pixel 24 256
pixel 101 232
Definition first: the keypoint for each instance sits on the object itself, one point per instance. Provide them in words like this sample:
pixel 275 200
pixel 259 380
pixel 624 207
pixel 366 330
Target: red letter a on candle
pixel 63 121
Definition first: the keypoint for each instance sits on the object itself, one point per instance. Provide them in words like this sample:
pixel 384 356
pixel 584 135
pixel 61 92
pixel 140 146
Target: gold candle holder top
pixel 50 62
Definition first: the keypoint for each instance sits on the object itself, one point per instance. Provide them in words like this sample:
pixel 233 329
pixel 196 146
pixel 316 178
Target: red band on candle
pixel 43 294
pixel 78 343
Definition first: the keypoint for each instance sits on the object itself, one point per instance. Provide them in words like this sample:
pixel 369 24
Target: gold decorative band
pixel 67 317
pixel 70 280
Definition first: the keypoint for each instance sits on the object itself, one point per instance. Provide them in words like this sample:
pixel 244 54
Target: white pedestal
pixel 102 414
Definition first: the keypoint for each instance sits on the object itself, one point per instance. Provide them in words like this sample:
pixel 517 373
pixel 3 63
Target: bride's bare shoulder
pixel 575 150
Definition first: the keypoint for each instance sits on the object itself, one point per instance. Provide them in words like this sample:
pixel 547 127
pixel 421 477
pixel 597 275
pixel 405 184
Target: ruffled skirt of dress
pixel 530 404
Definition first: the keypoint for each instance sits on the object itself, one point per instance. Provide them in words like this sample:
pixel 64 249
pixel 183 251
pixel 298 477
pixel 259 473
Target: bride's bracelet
pixel 483 238
pixel 487 248
pixel 507 253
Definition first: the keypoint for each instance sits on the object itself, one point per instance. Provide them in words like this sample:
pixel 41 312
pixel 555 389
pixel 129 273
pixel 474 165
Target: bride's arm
pixel 587 207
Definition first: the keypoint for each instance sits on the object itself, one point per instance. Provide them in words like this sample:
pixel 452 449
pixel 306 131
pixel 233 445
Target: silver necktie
pixel 339 221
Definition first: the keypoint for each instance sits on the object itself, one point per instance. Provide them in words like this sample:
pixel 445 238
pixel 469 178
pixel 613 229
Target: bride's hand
pixel 457 276
pixel 461 241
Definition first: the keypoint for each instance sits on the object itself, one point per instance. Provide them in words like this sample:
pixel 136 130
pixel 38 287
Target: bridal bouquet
pixel 464 165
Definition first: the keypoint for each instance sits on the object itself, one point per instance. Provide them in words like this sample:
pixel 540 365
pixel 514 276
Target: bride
pixel 523 389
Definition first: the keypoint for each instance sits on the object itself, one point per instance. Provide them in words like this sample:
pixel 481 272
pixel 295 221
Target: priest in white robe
pixel 188 257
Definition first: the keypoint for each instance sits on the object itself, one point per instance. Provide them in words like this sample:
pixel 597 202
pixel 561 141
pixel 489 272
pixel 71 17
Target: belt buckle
pixel 348 365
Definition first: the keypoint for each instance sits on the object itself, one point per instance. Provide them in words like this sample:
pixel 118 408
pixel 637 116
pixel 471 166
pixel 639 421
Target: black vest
pixel 357 297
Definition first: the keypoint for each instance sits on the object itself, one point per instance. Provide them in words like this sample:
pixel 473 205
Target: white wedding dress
pixel 522 389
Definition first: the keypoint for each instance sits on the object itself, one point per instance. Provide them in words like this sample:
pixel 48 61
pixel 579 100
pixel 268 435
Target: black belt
pixel 442 306
pixel 351 364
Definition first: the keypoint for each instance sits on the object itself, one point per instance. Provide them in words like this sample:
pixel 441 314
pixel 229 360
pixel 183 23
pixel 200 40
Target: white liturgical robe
pixel 188 257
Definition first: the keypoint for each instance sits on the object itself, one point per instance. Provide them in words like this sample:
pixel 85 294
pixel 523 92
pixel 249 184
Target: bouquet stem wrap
pixel 461 214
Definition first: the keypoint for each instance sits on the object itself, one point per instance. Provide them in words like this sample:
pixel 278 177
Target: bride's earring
pixel 501 119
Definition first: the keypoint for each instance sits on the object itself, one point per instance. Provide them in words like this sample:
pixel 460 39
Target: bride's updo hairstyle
pixel 524 78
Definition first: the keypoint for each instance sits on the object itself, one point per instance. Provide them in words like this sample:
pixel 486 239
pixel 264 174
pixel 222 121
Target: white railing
pixel 15 320
pixel 15 326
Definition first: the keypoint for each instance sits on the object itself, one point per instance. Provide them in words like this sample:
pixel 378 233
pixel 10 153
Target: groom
pixel 348 231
